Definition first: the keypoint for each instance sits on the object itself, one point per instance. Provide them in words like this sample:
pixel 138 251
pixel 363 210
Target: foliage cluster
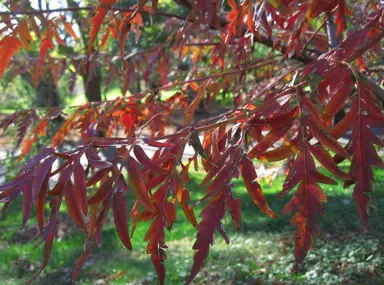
pixel 281 112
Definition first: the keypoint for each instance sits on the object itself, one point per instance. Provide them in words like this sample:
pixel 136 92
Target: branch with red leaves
pixel 292 120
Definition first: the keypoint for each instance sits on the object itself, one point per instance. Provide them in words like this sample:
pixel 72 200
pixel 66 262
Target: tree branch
pixel 89 8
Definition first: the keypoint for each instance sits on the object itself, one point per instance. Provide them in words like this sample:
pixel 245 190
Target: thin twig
pixel 313 35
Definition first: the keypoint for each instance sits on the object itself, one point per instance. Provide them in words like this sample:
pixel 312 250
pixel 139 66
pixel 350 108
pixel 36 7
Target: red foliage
pixel 280 112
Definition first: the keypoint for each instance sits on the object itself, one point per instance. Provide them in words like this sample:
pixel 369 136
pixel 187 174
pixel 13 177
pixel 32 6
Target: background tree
pixel 284 105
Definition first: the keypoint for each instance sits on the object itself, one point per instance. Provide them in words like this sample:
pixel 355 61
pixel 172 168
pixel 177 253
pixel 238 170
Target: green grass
pixel 262 253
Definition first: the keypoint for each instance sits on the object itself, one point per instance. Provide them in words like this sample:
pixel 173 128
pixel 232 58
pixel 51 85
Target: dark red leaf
pixel 80 187
pixel 120 217
pixel 40 175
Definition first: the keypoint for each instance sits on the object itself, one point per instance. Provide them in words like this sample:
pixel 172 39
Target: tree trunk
pixel 92 85
pixel 47 94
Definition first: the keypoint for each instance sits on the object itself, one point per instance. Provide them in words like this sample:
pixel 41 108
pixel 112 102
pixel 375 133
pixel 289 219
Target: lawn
pixel 262 253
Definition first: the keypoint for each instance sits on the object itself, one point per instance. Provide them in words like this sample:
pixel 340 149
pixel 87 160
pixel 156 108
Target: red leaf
pixel 40 203
pixel 327 161
pixel 362 149
pixel 137 184
pixel 40 175
pixel 156 181
pixel 234 208
pixel 8 47
pixel 47 252
pixel 145 160
pixel 124 28
pixel 307 200
pixel 27 200
pixel 49 235
pixel 272 137
pixel 248 172
pixel 98 176
pixel 192 107
pixel 102 193
pixel 170 214
pixel 74 207
pixel 120 217
pixel 101 11
pixel 68 28
pixel 211 217
pixel 135 215
pixel 80 187
pixel 95 160
pixel 282 152
pixel 155 143
pixel 44 46
pixel 325 138
pixel 220 162
pixel 280 119
pixel 156 245
pixel 183 198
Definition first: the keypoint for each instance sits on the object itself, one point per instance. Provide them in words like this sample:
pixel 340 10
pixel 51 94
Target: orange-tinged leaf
pixel 282 152
pixel 192 107
pixel 316 7
pixel 248 172
pixel 24 33
pixel 74 207
pixel 307 200
pixel 34 26
pixel 170 214
pixel 250 23
pixel 272 137
pixel 68 28
pixel 41 127
pixel 56 35
pixel 183 198
pixel 325 138
pixel 26 148
pixel 137 183
pixel 44 46
pixel 327 161
pixel 93 213
pixel 101 11
pixel 279 119
pixel 105 38
pixel 125 27
pixel 8 47
pixel 234 207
